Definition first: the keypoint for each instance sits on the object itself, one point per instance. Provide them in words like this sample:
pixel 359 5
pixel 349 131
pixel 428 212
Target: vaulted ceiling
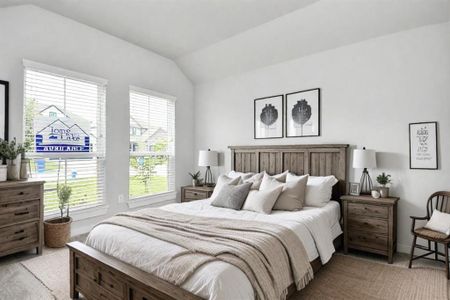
pixel 212 39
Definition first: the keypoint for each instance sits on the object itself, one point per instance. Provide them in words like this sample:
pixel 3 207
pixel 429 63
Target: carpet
pixel 344 277
pixel 350 278
pixel 17 283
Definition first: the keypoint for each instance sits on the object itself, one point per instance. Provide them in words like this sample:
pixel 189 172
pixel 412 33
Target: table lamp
pixel 364 159
pixel 208 158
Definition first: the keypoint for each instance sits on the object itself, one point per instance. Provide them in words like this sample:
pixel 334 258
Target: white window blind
pixel 52 97
pixel 152 143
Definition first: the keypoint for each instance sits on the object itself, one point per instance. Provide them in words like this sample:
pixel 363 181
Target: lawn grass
pixel 156 185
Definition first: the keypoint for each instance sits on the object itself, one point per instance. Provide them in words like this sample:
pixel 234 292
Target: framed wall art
pixel 4 104
pixel 423 152
pixel 268 117
pixel 303 113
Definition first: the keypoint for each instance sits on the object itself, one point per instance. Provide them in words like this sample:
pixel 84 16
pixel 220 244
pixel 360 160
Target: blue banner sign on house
pixel 60 134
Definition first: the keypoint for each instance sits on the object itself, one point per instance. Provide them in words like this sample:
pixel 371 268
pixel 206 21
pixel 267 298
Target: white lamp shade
pixel 363 158
pixel 207 158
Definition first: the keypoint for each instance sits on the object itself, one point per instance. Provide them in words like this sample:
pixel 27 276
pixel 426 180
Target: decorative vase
pixel 384 192
pixel 57 232
pixel 24 171
pixel 194 182
pixel 3 172
pixel 13 168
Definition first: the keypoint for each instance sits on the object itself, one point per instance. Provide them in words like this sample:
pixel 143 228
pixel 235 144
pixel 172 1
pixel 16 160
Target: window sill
pixel 82 213
pixel 152 199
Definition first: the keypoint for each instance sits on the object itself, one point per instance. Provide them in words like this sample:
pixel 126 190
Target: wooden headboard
pixel 315 160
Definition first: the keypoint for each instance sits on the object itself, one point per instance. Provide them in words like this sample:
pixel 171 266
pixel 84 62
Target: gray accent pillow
pixel 232 196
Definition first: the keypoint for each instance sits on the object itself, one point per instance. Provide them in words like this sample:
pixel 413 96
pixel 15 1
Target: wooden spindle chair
pixel 441 202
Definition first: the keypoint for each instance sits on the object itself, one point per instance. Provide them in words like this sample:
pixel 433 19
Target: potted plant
pixel 196 180
pixel 3 168
pixel 384 179
pixel 57 230
pixel 13 157
pixel 24 162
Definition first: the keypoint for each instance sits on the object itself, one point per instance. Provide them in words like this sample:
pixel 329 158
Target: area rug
pixel 344 277
pixel 17 283
pixel 350 278
pixel 53 271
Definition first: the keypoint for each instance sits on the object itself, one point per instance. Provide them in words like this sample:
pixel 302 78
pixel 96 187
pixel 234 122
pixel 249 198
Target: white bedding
pixel 316 227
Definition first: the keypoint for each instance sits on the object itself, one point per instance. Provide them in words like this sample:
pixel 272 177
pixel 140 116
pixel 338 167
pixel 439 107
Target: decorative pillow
pixel 221 181
pixel 280 177
pixel 293 195
pixel 255 180
pixel 319 190
pixel 439 222
pixel 244 176
pixel 262 201
pixel 232 196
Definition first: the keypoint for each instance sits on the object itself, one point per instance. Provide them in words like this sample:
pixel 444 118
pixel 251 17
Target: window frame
pixel 149 199
pixel 83 211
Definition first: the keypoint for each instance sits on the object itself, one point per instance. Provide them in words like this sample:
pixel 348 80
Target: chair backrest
pixel 439 201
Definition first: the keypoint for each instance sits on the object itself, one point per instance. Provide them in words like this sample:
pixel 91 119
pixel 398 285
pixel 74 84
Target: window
pixel 64 116
pixel 152 143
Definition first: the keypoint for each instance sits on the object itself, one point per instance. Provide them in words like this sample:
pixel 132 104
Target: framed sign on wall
pixel 303 113
pixel 423 152
pixel 4 104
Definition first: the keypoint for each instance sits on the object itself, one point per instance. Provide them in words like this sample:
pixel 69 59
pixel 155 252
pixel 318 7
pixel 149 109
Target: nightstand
pixel 191 193
pixel 370 224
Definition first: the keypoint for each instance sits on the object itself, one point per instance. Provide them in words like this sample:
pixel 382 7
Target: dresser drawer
pixel 362 239
pixel 11 213
pixel 195 195
pixel 18 235
pixel 357 222
pixel 370 210
pixel 32 192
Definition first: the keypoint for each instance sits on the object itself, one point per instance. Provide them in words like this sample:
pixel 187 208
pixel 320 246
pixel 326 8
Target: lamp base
pixel 209 179
pixel 365 183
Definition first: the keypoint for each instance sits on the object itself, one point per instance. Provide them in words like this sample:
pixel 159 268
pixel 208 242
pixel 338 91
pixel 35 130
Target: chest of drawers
pixel 191 193
pixel 370 224
pixel 21 216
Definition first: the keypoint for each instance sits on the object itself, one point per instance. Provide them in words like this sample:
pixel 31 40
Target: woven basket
pixel 57 232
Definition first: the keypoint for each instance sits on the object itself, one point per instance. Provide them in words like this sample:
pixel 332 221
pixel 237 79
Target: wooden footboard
pixel 99 276
pixel 102 277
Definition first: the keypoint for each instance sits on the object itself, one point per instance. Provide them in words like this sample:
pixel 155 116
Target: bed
pixel 115 262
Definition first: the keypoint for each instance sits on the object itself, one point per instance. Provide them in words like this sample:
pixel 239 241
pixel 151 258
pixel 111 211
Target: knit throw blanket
pixel 270 255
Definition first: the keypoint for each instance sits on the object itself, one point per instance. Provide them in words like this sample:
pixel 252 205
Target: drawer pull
pixel 19 239
pixel 21 213
pixel 20 231
pixel 21 193
pixel 195 194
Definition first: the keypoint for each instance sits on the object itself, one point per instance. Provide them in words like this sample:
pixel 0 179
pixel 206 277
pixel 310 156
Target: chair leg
pixel 412 251
pixel 436 251
pixel 446 260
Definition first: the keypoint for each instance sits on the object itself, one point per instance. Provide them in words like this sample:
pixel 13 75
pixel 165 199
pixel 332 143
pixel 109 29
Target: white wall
pixel 370 92
pixel 36 34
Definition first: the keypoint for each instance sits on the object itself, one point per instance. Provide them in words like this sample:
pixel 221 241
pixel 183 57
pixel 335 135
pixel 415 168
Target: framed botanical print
pixel 303 113
pixel 268 117
pixel 4 101
pixel 423 153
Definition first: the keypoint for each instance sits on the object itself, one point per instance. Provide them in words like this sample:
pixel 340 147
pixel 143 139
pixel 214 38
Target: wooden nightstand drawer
pixel 368 224
pixel 195 195
pixel 364 239
pixel 369 210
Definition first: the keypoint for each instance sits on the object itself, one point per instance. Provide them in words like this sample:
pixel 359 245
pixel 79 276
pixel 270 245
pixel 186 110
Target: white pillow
pixel 280 177
pixel 221 181
pixel 234 174
pixel 262 201
pixel 439 222
pixel 255 180
pixel 319 190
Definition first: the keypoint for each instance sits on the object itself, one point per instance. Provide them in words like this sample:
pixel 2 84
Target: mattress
pixel 217 280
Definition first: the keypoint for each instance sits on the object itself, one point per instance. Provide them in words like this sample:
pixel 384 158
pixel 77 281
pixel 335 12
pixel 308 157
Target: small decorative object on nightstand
pixel 370 224
pixel 190 193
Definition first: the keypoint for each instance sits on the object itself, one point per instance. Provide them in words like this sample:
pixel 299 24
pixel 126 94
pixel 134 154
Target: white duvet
pixel 316 227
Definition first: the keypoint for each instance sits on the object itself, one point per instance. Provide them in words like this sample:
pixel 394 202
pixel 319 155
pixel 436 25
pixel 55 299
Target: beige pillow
pixel 244 176
pixel 255 180
pixel 280 177
pixel 292 196
pixel 262 201
pixel 221 181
